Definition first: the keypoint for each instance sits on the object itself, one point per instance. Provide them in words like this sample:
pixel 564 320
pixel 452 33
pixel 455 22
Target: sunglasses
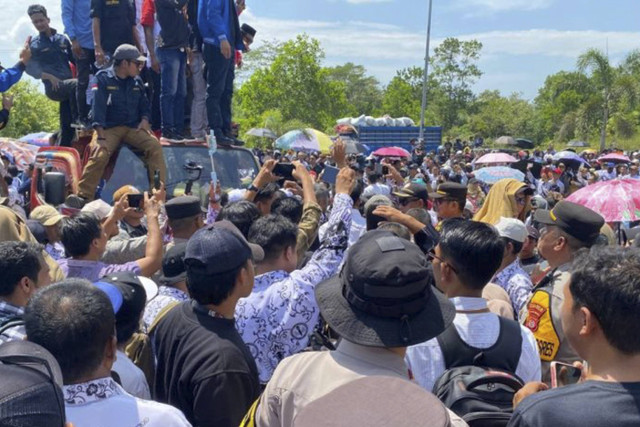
pixel 432 256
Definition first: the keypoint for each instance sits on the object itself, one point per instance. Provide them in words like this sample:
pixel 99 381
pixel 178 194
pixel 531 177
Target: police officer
pixel 567 228
pixel 449 200
pixel 186 216
pixel 120 114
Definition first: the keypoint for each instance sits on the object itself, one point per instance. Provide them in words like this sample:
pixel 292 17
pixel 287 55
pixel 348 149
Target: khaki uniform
pixel 101 151
pixel 541 315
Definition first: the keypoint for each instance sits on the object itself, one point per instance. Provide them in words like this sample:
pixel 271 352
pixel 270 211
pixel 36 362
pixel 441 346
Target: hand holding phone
pixel 564 374
pixel 135 200
pixel 284 170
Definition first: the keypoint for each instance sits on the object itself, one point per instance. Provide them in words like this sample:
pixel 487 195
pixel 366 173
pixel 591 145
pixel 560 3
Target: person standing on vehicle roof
pixel 120 114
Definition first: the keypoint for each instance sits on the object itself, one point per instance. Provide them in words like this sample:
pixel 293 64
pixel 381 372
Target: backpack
pixel 479 384
pixel 10 322
pixel 139 348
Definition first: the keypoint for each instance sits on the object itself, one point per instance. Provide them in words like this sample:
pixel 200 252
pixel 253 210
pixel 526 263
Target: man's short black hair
pixel 274 233
pixel 288 207
pixel 74 320
pixel 241 214
pixel 322 192
pixel 266 192
pixel 473 248
pixel 210 288
pixel 37 8
pixel 396 228
pixel 18 260
pixel 606 280
pixel 517 246
pixel 78 232
pixel 374 177
pixel 356 193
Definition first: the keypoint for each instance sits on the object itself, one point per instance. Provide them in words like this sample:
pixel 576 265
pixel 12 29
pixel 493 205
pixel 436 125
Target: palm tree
pixel 603 76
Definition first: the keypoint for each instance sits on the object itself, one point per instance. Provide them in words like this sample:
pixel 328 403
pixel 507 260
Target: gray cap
pixel 128 52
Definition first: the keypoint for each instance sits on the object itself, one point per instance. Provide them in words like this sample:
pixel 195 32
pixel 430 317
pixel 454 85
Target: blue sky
pixel 524 40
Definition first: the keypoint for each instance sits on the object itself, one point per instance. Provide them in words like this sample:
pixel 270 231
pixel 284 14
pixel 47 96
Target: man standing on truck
pixel 120 114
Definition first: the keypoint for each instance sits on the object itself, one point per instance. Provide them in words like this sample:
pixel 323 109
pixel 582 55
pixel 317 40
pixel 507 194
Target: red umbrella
pixel 391 152
pixel 614 158
pixel 495 158
pixel 616 200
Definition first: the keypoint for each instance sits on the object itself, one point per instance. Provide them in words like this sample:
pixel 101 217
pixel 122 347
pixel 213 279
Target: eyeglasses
pixel 432 256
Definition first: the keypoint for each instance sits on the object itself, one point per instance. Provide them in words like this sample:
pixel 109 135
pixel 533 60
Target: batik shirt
pixel 516 282
pixel 166 295
pixel 8 312
pixel 276 320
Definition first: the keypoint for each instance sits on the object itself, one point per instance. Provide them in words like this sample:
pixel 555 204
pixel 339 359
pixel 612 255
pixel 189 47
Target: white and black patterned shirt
pixel 9 312
pixel 276 320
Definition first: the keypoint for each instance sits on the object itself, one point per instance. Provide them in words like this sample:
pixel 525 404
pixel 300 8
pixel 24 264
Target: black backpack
pixel 479 384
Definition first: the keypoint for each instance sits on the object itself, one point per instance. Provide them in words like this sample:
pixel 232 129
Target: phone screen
pixel 563 374
pixel 330 174
pixel 135 200
pixel 284 170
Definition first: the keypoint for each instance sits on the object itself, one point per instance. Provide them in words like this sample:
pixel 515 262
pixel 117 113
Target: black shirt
pixel 589 404
pixel 174 31
pixel 203 367
pixel 117 18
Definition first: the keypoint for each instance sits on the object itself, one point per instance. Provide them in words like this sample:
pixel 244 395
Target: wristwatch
pixel 253 188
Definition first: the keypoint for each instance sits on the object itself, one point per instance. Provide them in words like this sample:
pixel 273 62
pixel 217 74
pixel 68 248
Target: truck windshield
pixel 235 168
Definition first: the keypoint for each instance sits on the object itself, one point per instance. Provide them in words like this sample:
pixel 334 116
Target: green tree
pixel 363 92
pixel 455 71
pixel 297 85
pixel 32 111
pixel 497 115
pixel 259 58
pixel 403 96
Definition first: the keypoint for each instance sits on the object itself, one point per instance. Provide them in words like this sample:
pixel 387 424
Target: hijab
pixel 501 202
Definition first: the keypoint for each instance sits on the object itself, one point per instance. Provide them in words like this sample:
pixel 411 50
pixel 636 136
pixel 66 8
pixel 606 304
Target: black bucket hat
pixel 384 295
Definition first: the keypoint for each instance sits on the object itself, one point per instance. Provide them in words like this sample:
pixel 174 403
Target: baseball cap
pixel 533 232
pixel 611 164
pixel 124 190
pixel 413 189
pixel 450 189
pixel 219 248
pixel 512 228
pixel 113 293
pixel 128 52
pixel 46 215
pixel 99 208
pixel 173 268
pixel 576 220
pixel 133 292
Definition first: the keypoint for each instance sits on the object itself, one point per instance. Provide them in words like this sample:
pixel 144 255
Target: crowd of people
pixel 401 291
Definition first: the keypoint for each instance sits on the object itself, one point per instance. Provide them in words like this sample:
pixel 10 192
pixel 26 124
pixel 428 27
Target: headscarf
pixel 14 228
pixel 501 202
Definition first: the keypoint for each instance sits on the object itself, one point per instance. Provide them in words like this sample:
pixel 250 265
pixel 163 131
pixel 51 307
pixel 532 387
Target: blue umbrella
pixel 493 174
pixel 564 156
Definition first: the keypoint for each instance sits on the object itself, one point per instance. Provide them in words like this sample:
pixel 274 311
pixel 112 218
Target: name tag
pixel 112 87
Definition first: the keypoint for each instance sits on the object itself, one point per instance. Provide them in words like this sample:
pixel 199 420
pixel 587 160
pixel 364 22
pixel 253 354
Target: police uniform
pixel 542 313
pixel 119 105
pixel 182 207
pixel 453 191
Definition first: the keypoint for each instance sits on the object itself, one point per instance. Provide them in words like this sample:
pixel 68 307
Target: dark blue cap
pixel 219 248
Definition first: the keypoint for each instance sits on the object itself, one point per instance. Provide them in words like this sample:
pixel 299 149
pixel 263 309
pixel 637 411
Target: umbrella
pixel 493 174
pixel 493 158
pixel 23 154
pixel 565 156
pixel 304 140
pixel 616 200
pixel 577 144
pixel 41 139
pixel 262 133
pixel 614 158
pixel 391 152
pixel 506 140
pixel 525 143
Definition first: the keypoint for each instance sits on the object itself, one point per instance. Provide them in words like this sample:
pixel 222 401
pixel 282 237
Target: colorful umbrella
pixel 569 156
pixel 41 139
pixel 391 152
pixel 23 154
pixel 614 158
pixel 493 174
pixel 305 140
pixel 616 200
pixel 494 158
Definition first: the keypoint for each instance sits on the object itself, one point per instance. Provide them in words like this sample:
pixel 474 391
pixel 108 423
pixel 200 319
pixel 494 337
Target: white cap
pixel 99 208
pixel 512 228
pixel 468 206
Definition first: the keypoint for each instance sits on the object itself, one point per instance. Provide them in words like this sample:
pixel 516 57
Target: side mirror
pixel 54 188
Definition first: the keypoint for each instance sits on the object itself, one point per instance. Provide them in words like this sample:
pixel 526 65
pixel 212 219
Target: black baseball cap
pixel 219 248
pixel 413 189
pixel 576 220
pixel 248 29
pixel 134 295
pixel 173 268
pixel 451 190
pixel 128 52
pixel 183 207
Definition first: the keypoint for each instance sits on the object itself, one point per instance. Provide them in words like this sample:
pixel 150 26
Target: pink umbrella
pixel 615 158
pixel 391 152
pixel 494 158
pixel 616 200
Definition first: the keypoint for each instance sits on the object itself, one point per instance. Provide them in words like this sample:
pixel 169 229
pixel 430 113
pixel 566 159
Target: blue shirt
pixel 10 76
pixel 77 21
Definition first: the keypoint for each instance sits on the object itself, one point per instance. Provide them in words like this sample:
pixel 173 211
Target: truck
pixel 57 170
pixel 376 137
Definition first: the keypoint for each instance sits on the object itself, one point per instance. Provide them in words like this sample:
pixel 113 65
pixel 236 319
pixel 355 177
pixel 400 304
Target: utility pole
pixel 425 77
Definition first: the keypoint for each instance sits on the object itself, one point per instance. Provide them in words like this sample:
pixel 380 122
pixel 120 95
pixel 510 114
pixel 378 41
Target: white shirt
pixel 377 188
pixel 480 330
pixel 132 377
pixel 103 403
pixel 358 227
